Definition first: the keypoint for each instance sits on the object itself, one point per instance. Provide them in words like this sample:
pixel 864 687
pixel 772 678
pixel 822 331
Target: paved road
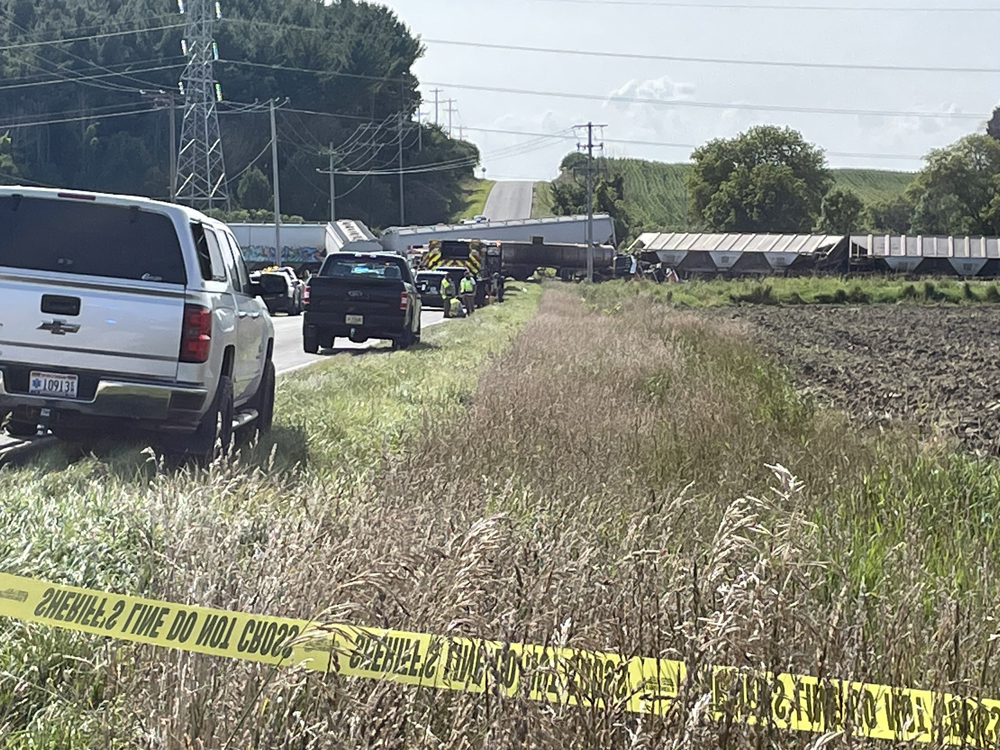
pixel 288 354
pixel 509 200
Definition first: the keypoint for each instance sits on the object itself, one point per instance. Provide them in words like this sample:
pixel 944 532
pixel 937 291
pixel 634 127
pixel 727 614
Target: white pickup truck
pixel 127 315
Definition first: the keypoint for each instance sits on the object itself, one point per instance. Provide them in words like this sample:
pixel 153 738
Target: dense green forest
pixel 101 132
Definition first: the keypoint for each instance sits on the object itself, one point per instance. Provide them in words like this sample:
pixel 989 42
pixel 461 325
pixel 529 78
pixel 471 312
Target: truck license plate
pixel 355 320
pixel 52 384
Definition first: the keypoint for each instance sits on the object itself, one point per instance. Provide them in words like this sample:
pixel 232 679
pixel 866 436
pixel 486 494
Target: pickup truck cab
pixel 362 296
pixel 123 314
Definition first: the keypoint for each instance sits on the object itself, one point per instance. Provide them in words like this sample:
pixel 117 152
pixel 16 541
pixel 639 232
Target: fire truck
pixel 482 257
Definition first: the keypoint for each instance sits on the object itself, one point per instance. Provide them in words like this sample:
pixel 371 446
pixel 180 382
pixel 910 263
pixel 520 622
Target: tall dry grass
pixel 619 483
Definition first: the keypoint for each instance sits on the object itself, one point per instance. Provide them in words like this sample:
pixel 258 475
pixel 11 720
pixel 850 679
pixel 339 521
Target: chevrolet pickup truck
pixel 126 315
pixel 361 296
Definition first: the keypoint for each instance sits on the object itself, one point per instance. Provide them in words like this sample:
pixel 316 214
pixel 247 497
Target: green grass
pixel 541 203
pixel 873 184
pixel 113 520
pixel 585 467
pixel 477 191
pixel 806 290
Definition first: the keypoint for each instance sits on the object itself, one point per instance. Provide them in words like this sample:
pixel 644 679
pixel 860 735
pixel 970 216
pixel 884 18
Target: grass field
pixel 541 204
pixel 873 184
pixel 656 195
pixel 603 471
pixel 477 191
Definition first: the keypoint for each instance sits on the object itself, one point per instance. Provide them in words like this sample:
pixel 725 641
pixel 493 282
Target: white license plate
pixel 355 320
pixel 52 384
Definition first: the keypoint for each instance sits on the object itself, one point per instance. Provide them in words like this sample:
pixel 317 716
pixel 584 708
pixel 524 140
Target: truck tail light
pixel 196 335
pixel 305 295
pixel 404 298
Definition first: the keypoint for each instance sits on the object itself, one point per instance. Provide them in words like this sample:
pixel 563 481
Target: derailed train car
pixel 742 255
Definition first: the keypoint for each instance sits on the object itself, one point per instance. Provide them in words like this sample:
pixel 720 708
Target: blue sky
pixel 880 37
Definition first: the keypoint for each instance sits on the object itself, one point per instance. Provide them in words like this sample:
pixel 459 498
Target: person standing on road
pixel 448 293
pixel 467 288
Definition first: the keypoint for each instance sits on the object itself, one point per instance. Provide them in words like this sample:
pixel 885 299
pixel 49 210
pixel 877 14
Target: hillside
pixel 873 184
pixel 657 197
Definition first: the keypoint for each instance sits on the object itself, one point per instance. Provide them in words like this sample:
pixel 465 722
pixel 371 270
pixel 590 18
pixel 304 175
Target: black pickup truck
pixel 361 296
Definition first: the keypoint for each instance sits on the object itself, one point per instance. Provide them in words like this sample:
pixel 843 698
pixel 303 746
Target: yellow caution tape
pixel 537 672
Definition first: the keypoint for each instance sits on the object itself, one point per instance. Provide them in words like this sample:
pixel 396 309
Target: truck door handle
pixel 254 314
pixel 241 314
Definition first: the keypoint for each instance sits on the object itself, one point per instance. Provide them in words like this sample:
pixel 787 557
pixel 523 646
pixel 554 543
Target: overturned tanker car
pixel 522 259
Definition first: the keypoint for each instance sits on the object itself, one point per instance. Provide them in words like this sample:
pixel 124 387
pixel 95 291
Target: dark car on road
pixel 429 286
pixel 362 296
pixel 284 291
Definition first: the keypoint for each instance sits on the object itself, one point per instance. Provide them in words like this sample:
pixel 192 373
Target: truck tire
pixel 263 400
pixel 214 436
pixel 18 429
pixel 310 341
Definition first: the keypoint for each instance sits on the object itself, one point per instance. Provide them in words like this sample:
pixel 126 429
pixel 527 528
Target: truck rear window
pixel 351 267
pixel 86 238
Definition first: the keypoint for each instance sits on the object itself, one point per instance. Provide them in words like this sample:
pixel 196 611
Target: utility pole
pixel 173 150
pixel 436 92
pixel 167 99
pixel 451 111
pixel 420 129
pixel 402 210
pixel 333 188
pixel 277 196
pixel 590 145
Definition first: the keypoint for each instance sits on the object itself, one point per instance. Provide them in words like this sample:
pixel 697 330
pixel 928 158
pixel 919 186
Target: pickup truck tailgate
pixel 355 296
pixel 96 325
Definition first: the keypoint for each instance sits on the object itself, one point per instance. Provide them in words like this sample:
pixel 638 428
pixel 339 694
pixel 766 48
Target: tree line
pixel 348 62
pixel 770 179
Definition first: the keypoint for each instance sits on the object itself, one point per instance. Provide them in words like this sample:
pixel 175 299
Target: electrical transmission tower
pixel 201 171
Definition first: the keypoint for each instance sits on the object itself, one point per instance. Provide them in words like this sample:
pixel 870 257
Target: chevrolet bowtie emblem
pixel 59 327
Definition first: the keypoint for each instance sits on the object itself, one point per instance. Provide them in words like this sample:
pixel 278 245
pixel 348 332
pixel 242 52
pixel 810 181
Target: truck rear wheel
pixel 214 436
pixel 263 400
pixel 310 342
pixel 20 429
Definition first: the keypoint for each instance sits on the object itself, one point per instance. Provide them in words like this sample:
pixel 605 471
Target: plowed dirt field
pixel 936 366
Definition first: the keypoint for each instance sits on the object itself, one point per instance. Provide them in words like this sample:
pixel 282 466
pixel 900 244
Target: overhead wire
pixel 801 64
pixel 476 44
pixel 769 6
pixel 665 144
pixel 677 103
pixel 250 165
pixel 82 79
pixel 56 121
pixel 58 71
pixel 89 37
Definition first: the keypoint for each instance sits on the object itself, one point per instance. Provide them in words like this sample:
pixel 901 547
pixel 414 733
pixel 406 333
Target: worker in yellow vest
pixel 448 293
pixel 467 289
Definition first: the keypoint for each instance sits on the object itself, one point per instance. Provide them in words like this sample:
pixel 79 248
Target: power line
pixel 56 121
pixel 109 87
pixel 714 60
pixel 664 144
pixel 640 100
pixel 90 37
pixel 83 79
pixel 745 6
pixel 714 105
